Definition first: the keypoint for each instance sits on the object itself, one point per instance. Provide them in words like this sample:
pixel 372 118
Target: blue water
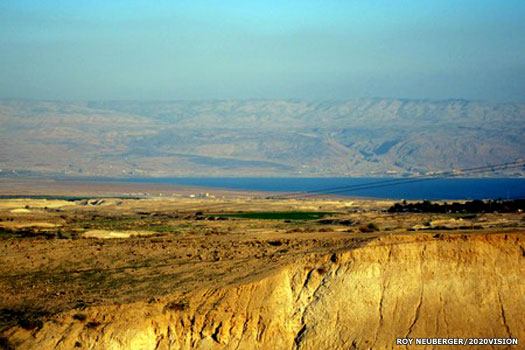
pixel 444 188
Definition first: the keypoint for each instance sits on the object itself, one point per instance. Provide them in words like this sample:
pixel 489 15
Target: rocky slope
pixel 371 137
pixel 400 286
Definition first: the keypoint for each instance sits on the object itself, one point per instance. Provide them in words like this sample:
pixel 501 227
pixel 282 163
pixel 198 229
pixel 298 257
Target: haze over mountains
pixel 368 137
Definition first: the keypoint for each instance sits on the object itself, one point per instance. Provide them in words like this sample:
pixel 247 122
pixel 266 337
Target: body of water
pixel 413 189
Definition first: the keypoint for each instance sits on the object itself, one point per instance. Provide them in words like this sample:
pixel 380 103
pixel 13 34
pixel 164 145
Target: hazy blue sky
pixel 326 49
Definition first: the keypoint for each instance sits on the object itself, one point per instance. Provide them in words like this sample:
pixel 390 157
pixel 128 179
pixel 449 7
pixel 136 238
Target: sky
pixel 305 49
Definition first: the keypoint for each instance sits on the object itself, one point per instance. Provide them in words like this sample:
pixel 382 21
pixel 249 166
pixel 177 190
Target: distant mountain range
pixel 368 137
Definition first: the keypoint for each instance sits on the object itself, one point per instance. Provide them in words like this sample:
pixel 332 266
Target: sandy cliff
pixel 404 286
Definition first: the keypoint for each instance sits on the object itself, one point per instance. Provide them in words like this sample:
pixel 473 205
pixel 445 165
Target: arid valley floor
pixel 241 271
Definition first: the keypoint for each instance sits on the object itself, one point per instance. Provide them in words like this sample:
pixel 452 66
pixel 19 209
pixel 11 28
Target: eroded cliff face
pixel 405 286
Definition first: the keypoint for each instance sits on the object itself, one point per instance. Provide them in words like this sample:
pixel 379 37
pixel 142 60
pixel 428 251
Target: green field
pixel 278 215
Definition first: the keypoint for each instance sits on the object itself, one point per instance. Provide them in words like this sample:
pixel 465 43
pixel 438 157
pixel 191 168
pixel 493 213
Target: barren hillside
pixel 373 137
pixel 247 273
pixel 363 298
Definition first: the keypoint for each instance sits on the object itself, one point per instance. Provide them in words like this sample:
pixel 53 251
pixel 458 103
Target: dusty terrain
pixel 359 138
pixel 193 273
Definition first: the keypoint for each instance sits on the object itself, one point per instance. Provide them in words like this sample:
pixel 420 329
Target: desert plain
pixel 181 269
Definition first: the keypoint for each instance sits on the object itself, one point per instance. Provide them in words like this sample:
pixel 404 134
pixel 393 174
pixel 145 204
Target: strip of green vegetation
pixel 5 234
pixel 164 228
pixel 123 223
pixel 278 215
pixel 109 223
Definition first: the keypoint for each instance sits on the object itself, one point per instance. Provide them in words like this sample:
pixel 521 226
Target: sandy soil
pixel 52 187
pixel 55 257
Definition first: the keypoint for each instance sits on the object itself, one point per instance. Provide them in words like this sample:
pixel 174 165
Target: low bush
pixel 371 227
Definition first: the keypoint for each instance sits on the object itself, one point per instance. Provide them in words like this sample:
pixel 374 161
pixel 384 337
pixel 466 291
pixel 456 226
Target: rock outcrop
pixel 365 298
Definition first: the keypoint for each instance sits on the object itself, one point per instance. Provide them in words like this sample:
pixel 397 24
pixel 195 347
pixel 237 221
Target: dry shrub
pixel 322 270
pixel 80 317
pixel 5 344
pixel 93 324
pixel 371 227
pixel 176 306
